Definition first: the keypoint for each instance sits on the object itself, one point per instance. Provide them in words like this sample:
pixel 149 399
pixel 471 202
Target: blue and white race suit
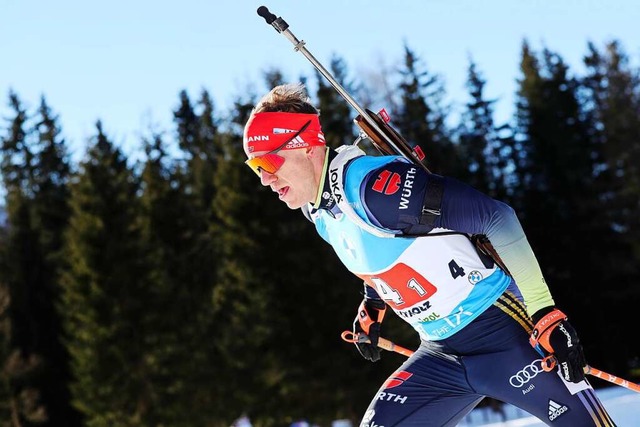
pixel 472 317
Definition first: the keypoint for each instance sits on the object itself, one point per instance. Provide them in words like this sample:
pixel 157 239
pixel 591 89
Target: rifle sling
pixel 432 200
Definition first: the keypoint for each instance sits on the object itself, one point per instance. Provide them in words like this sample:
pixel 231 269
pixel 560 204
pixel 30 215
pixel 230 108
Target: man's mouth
pixel 282 192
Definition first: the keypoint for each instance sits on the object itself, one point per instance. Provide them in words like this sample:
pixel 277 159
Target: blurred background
pixel 147 280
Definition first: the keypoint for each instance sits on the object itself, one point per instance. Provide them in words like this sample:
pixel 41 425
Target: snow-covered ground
pixel 623 406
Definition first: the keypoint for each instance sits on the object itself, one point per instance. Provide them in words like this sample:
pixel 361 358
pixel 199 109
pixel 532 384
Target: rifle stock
pixel 380 139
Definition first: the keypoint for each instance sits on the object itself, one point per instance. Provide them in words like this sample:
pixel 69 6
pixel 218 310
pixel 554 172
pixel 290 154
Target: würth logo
pixel 387 182
pixel 397 379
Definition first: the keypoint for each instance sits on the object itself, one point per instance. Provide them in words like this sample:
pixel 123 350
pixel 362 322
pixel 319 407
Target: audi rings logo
pixel 526 374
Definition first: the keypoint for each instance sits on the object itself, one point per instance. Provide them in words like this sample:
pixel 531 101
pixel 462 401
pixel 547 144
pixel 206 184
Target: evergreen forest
pixel 174 290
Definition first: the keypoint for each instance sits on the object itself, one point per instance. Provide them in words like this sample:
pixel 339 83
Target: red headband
pixel 267 131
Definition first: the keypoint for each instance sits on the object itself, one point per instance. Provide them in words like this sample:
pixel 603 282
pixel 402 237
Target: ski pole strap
pixel 432 200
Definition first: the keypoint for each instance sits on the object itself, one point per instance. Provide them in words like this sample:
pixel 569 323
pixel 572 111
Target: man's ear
pixel 310 151
pixel 314 150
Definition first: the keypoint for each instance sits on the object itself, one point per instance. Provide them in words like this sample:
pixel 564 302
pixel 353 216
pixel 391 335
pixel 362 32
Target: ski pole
pixel 548 363
pixel 384 344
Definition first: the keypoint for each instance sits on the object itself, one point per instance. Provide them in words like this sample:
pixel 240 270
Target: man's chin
pixel 293 199
pixel 293 206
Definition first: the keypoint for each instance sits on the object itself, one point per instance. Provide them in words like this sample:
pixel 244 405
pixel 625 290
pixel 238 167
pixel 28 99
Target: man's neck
pixel 324 198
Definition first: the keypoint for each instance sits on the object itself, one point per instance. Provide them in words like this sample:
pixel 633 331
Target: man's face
pixel 297 180
pixel 286 150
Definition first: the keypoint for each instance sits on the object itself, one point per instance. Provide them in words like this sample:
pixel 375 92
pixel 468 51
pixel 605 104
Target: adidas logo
pixel 556 409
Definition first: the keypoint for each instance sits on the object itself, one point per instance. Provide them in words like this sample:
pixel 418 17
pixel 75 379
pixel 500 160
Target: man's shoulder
pixel 360 169
pixel 372 162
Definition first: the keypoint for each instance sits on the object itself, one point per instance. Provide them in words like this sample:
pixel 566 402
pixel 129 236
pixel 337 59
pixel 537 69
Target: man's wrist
pixel 538 315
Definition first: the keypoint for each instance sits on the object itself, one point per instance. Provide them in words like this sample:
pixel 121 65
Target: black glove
pixel 554 335
pixel 370 315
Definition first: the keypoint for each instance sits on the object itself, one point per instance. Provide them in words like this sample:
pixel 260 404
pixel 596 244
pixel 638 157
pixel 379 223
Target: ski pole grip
pixel 268 16
pixel 278 23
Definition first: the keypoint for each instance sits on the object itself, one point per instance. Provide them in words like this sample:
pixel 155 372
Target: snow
pixel 622 404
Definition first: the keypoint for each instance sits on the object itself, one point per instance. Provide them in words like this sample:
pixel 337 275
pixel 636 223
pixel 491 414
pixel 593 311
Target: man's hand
pixel 554 335
pixel 370 315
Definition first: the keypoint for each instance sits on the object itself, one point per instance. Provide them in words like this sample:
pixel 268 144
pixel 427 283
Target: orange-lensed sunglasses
pixel 270 162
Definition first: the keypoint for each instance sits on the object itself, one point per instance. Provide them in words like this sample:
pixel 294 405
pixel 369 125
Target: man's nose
pixel 267 178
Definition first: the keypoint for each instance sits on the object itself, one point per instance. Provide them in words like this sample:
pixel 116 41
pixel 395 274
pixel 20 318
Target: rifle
pixel 374 127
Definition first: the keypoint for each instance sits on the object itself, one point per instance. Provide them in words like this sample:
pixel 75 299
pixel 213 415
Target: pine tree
pixel 205 158
pixel 177 309
pixel 485 147
pixel 7 401
pixel 20 275
pixel 196 132
pixel 612 97
pixel 105 291
pixel 613 92
pixel 556 149
pixel 244 355
pixel 240 295
pixel 16 155
pixel 335 113
pixel 562 194
pixel 50 215
pixel 422 116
